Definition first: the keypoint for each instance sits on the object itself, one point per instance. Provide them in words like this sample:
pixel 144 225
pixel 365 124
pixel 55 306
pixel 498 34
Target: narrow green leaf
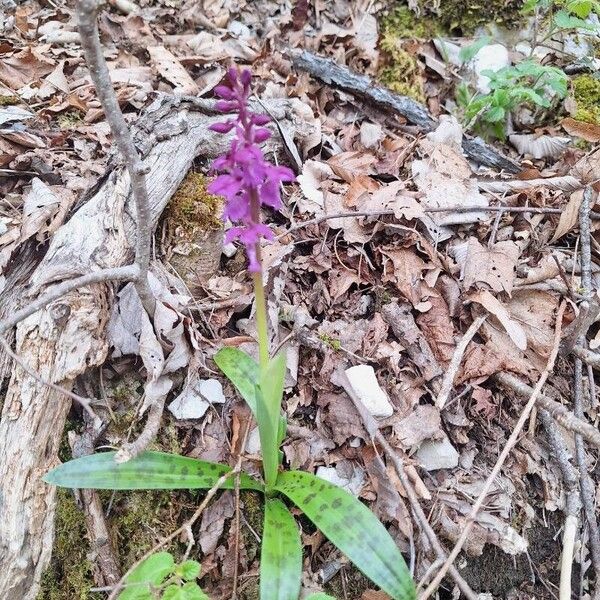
pixel 319 596
pixel 153 571
pixel 149 471
pixel 269 394
pixel 268 440
pixel 281 554
pixel 353 528
pixel 242 370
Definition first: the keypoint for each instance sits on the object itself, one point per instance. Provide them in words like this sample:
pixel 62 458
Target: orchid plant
pixel 248 182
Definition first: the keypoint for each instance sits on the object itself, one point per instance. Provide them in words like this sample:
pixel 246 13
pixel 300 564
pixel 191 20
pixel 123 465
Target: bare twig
pixel 151 427
pixel 573 502
pixel 510 444
pixel 567 183
pixel 126 273
pixel 457 357
pixel 92 49
pixel 585 482
pixel 85 403
pixel 559 413
pixel 373 430
pixel 537 210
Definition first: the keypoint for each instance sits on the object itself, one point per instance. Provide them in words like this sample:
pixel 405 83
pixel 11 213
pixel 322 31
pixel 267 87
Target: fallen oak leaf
pixel 590 132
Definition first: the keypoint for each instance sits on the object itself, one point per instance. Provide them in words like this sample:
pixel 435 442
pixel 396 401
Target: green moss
pixel 192 207
pixel 70 119
pixel 450 17
pixel 586 90
pixel 9 100
pixel 139 519
pixel 69 576
pixel 330 341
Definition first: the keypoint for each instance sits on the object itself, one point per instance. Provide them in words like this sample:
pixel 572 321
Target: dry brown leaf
pixel 349 165
pixel 494 266
pixel 495 307
pixel 569 216
pixel 25 67
pixel 169 67
pixel 586 131
pixel 406 271
pixel 437 328
pixel 424 423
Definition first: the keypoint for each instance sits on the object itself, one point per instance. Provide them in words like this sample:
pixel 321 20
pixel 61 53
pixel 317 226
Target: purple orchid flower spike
pixel 247 180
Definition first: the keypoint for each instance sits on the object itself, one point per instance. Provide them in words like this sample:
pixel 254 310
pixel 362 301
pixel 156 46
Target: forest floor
pixel 450 276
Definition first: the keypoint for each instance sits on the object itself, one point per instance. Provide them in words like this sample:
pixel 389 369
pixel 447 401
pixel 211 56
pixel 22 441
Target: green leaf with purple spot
pixel 353 528
pixel 148 471
pixel 281 554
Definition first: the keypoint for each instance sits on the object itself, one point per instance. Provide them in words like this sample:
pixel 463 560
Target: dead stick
pixel 585 482
pixel 457 357
pixel 361 86
pixel 85 403
pixel 510 444
pixel 559 413
pixel 94 57
pixel 573 501
pixel 372 428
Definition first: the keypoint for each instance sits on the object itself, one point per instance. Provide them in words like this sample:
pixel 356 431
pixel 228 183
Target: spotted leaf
pixel 353 528
pixel 149 471
pixel 242 371
pixel 281 554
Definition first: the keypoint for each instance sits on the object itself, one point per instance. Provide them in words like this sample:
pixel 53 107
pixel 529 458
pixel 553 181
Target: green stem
pixel 261 321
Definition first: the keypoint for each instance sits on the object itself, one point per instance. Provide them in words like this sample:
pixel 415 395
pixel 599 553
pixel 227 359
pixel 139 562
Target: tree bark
pixel 61 341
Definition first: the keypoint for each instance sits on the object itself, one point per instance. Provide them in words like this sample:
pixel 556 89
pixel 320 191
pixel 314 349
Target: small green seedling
pixel 160 577
pixel 527 83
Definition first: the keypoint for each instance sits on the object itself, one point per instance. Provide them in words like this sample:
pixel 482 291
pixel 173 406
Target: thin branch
pixel 86 403
pixel 454 365
pixel 573 501
pixel 149 432
pixel 559 413
pixel 126 273
pixel 92 50
pixel 372 429
pixel 510 444
pixel 585 481
pixel 538 210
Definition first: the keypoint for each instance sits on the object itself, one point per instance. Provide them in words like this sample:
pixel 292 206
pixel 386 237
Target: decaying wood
pixel 365 88
pixel 66 337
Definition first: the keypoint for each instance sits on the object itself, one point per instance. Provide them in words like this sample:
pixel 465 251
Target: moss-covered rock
pixel 586 90
pixel 195 230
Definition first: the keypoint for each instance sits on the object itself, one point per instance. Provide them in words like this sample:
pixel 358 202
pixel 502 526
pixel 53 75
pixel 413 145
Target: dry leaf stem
pixel 510 444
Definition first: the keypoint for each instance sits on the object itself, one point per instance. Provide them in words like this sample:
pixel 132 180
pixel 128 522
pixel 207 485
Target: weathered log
pixel 61 341
pixel 365 88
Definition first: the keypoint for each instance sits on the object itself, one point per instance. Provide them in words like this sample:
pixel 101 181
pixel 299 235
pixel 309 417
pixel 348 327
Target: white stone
pixel 493 57
pixel 229 250
pixel 353 484
pixel 253 443
pixel 364 383
pixel 193 402
pixel 211 390
pixel 437 454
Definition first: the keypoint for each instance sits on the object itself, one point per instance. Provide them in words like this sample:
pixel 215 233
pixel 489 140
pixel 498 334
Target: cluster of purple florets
pixel 247 180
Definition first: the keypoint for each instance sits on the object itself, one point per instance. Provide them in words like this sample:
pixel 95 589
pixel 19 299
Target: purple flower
pixel 247 180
